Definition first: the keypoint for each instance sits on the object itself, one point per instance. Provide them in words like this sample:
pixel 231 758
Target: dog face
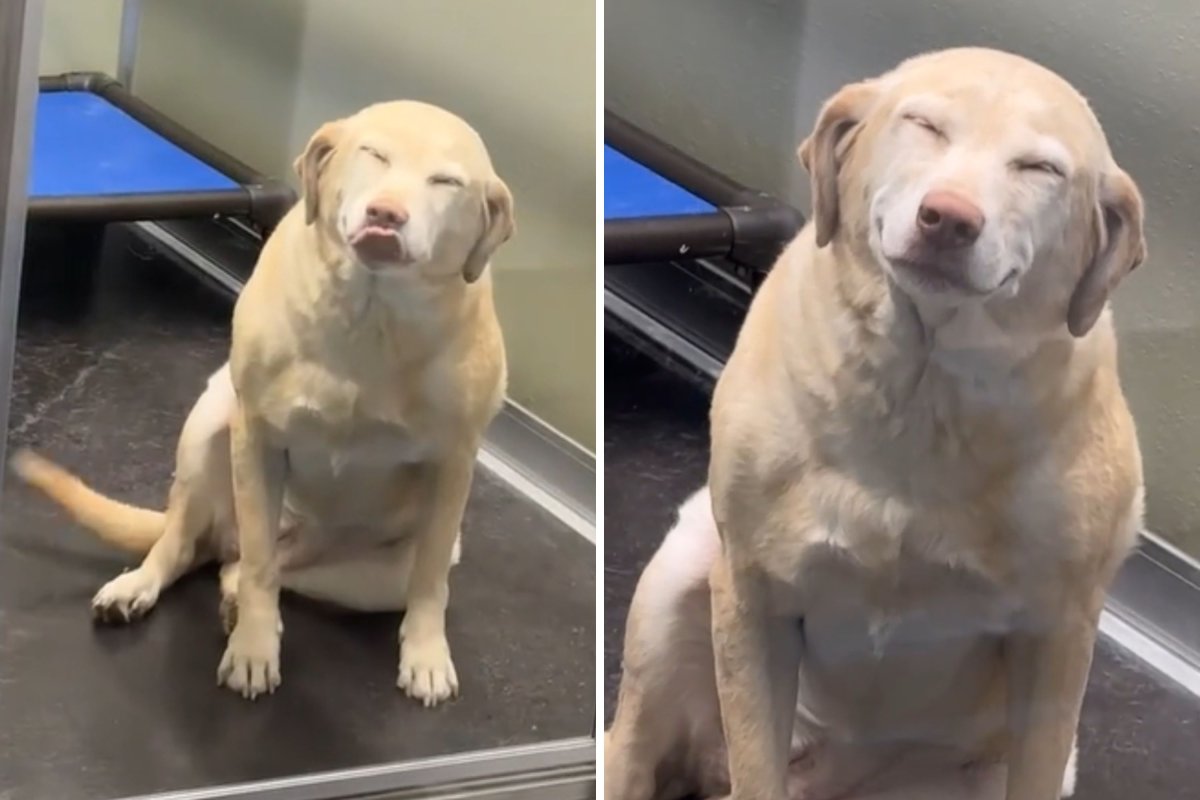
pixel 975 176
pixel 408 189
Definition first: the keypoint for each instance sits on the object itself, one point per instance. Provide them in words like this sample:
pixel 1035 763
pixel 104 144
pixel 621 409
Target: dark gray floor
pixel 102 713
pixel 1140 735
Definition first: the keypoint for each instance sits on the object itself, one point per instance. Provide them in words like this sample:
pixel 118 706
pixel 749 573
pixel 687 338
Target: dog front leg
pixel 250 665
pixel 1047 676
pixel 426 669
pixel 757 664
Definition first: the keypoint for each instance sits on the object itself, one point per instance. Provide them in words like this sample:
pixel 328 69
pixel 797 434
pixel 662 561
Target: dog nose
pixel 948 220
pixel 387 214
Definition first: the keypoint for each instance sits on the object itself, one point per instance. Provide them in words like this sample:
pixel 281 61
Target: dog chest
pixel 333 427
pixel 890 649
pixel 377 451
pixel 364 480
pixel 313 402
pixel 910 600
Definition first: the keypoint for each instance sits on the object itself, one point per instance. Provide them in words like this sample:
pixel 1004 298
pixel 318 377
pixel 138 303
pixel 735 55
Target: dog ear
pixel 311 162
pixel 499 224
pixel 823 151
pixel 1120 247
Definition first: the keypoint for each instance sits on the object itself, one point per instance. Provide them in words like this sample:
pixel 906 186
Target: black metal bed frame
pixel 260 199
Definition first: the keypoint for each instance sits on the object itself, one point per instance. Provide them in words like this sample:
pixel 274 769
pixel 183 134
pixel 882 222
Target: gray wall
pixel 80 36
pixel 738 84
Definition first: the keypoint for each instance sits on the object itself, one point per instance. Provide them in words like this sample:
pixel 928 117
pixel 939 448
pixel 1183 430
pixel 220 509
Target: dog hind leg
pixel 666 737
pixel 201 486
pixel 132 594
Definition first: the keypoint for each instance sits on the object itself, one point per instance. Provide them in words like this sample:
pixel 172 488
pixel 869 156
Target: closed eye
pixel 1040 165
pixel 442 179
pixel 375 154
pixel 923 122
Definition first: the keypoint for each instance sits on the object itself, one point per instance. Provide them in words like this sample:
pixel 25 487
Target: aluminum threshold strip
pixel 1126 633
pixel 526 444
pixel 661 335
pixel 191 255
pixel 724 275
pixel 1153 610
pixel 564 770
pixel 523 451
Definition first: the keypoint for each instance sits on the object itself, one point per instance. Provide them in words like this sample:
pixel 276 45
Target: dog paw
pixel 426 671
pixel 250 665
pixel 126 597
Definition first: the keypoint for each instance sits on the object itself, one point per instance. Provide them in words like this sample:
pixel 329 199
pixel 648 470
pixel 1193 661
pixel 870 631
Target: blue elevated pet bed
pixel 659 204
pixel 102 155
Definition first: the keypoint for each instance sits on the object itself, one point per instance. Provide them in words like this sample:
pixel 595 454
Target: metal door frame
pixel 20 33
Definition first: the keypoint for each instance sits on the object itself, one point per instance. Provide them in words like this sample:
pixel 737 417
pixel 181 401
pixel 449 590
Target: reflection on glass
pixel 125 314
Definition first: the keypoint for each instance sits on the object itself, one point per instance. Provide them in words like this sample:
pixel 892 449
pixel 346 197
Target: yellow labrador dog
pixel 333 454
pixel 924 474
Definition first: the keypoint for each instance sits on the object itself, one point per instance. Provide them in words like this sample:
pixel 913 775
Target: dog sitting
pixel 332 455
pixel 924 475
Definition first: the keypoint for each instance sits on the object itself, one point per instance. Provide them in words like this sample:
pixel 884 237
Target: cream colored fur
pixel 920 489
pixel 333 454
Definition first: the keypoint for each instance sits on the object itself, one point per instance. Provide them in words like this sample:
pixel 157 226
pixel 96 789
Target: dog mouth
pixel 937 277
pixel 376 245
pixel 929 272
pixel 932 276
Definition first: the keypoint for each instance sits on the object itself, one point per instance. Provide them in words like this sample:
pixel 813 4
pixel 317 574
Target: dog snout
pixel 948 220
pixel 386 213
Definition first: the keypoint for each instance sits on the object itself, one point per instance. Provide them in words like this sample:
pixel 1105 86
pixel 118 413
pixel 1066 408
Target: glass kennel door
pixel 109 352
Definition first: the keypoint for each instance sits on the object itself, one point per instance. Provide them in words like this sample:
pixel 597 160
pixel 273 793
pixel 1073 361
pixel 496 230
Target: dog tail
pixel 128 527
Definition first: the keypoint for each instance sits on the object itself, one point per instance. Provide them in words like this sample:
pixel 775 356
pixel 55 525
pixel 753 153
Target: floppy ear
pixel 1120 249
pixel 823 151
pixel 499 224
pixel 310 164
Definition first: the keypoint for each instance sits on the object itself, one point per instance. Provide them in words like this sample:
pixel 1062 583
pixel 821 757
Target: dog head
pixel 406 187
pixel 976 176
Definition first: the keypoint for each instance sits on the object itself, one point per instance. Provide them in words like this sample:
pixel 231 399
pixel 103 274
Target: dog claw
pixel 250 666
pixel 127 597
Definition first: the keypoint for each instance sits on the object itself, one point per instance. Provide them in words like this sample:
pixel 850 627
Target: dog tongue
pixel 375 244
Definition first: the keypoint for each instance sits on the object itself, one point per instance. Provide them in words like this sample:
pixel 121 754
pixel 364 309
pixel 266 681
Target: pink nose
pixel 948 220
pixel 387 214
